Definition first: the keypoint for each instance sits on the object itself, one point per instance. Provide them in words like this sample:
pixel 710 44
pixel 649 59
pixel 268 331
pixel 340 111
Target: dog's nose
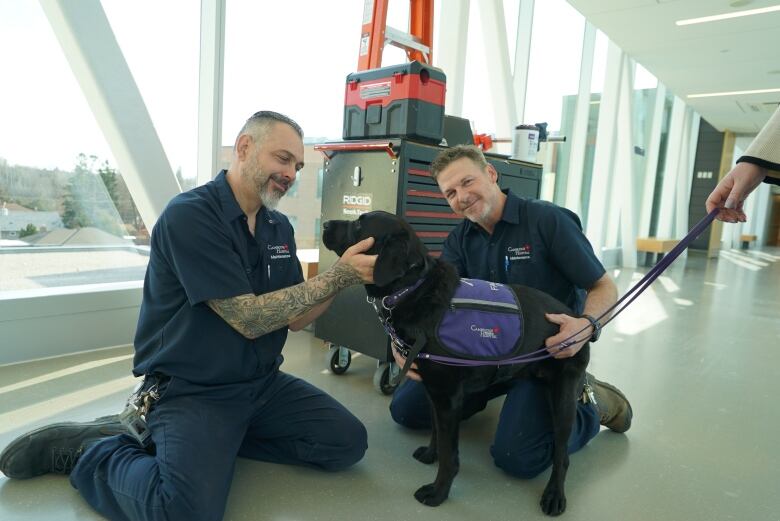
pixel 326 226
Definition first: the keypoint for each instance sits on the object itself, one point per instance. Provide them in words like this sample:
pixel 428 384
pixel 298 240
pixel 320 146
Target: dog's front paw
pixel 425 454
pixel 430 495
pixel 553 501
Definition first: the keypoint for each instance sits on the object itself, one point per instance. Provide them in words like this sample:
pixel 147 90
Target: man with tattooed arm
pixel 222 288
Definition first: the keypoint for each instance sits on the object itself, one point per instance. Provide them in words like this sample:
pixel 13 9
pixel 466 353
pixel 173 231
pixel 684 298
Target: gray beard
pixel 482 216
pixel 268 196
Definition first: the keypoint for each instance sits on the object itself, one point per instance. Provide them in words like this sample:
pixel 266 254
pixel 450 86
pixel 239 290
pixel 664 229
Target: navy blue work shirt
pixel 201 249
pixel 536 244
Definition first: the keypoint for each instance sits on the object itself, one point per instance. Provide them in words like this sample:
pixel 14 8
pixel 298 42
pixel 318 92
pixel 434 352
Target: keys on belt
pixel 588 396
pixel 138 406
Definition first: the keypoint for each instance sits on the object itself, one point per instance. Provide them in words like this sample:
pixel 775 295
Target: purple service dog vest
pixel 484 322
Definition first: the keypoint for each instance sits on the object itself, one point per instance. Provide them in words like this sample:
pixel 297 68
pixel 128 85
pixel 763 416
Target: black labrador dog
pixel 403 262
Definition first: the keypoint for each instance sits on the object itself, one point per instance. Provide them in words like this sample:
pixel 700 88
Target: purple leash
pixel 543 353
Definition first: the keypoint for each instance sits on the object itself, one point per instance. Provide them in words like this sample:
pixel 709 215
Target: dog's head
pixel 401 256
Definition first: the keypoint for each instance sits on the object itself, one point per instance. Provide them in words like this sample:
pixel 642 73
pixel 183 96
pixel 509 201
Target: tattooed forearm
pixel 256 315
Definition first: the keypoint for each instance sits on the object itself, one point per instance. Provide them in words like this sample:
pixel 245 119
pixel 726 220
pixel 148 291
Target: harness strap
pixel 414 352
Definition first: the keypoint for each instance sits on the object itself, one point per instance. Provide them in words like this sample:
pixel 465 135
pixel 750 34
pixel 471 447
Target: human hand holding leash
pixel 732 190
pixel 412 374
pixel 569 326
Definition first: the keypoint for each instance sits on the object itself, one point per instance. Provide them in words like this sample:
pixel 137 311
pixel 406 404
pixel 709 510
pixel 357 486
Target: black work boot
pixel 613 406
pixel 54 448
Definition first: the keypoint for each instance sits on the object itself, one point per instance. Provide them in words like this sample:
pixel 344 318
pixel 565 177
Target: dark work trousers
pixel 523 444
pixel 197 433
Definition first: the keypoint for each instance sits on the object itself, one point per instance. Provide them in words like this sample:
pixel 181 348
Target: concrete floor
pixel 697 355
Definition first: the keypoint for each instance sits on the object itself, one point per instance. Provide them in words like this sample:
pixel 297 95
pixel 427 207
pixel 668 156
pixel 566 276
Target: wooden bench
pixel 746 239
pixel 309 259
pixel 653 246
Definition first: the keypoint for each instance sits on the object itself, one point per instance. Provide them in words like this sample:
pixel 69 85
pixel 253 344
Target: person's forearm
pixel 764 150
pixel 601 297
pixel 256 315
pixel 309 317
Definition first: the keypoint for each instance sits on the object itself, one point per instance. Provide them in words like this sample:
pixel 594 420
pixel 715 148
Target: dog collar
pixel 392 300
pixel 385 312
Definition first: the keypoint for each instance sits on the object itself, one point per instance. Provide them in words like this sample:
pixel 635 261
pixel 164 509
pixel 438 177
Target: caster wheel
pixel 387 377
pixel 338 359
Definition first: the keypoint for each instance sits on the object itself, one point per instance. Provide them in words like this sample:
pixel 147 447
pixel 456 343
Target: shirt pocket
pixel 280 272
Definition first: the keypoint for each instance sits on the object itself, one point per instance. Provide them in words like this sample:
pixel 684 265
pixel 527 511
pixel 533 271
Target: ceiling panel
pixel 728 55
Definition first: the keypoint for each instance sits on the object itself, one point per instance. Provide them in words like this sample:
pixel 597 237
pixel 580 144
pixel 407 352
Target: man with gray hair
pixel 222 288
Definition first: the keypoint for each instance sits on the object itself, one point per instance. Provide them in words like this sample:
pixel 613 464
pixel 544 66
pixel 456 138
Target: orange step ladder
pixel 375 33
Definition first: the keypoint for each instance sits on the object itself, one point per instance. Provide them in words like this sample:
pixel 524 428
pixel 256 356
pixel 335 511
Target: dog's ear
pixel 392 261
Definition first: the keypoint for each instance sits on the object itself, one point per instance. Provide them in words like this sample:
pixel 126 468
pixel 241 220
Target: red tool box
pixel 405 100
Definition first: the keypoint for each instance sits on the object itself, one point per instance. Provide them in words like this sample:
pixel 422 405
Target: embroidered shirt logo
pixel 519 252
pixel 486 332
pixel 279 251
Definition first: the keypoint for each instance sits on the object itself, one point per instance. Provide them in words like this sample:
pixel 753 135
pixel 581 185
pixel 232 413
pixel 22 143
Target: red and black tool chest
pixel 405 100
pixel 391 175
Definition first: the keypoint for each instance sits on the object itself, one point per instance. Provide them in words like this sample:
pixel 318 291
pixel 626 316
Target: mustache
pixel 281 181
pixel 465 204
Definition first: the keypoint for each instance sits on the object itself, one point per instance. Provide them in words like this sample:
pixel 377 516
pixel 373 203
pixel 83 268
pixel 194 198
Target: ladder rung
pixel 405 41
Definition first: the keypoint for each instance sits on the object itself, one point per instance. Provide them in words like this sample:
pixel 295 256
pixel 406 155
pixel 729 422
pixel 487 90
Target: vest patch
pixel 484 322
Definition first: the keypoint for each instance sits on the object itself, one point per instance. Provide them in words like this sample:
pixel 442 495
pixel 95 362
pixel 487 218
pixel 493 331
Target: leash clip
pixel 384 304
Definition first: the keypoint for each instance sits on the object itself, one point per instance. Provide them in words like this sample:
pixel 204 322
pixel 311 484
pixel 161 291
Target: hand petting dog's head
pixel 401 254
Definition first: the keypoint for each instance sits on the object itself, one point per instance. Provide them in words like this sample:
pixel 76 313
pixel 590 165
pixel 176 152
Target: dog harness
pixel 484 322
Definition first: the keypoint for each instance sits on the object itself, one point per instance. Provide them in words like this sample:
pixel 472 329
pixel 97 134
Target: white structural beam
pixel 579 138
pixel 210 88
pixel 759 213
pixel 622 163
pixel 604 154
pixel 651 163
pixel 497 57
pixel 450 55
pixel 671 169
pixel 525 21
pixel 100 68
pixel 624 167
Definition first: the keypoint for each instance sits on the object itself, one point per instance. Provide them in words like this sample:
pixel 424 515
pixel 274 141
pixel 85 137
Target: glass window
pixel 317 231
pixel 596 88
pixel 659 176
pixel 643 104
pixel 305 85
pixel 165 70
pixel 477 105
pixel 553 70
pixel 66 216
pixel 553 81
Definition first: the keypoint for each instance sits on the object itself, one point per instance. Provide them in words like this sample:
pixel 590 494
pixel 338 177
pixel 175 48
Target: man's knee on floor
pixel 198 497
pixel 349 450
pixel 524 464
pixel 409 417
